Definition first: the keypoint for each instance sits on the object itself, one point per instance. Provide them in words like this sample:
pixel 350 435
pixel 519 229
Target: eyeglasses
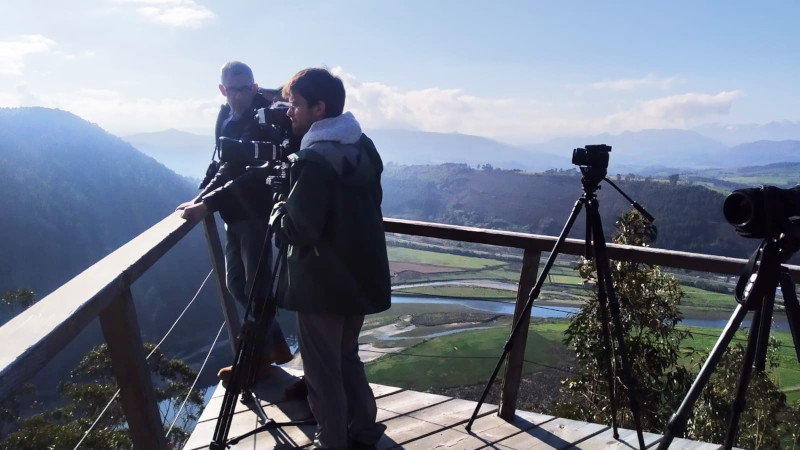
pixel 241 90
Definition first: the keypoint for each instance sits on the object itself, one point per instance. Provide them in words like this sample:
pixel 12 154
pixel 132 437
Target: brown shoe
pixel 281 353
pixel 265 371
pixel 224 375
pixel 297 391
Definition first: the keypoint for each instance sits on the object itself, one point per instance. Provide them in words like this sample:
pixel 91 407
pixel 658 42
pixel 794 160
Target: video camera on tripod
pixel 771 214
pixel 270 151
pixel 761 212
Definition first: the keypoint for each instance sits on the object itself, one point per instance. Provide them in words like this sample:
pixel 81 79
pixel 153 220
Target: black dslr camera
pixel 277 128
pixel 763 211
pixel 592 156
pixel 274 147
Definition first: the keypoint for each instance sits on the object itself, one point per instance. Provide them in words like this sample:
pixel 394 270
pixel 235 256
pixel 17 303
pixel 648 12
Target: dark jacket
pixel 238 202
pixel 333 224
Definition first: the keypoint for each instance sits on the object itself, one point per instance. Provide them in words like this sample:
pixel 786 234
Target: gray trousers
pixel 243 244
pixel 338 392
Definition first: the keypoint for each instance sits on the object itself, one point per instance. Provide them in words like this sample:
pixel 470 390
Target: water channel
pixel 559 312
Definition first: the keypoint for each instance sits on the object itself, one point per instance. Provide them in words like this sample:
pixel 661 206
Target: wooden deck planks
pixel 417 420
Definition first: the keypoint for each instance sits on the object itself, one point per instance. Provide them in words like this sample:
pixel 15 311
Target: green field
pixel 701 298
pixel 460 359
pixel 459 292
pixel 466 358
pixel 403 254
pixel 566 279
pixel 492 273
pixel 562 278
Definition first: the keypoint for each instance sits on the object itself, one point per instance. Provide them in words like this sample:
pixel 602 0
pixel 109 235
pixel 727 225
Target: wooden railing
pixel 33 337
pixel 533 246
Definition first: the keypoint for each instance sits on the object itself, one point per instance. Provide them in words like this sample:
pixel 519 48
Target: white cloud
pixel 378 105
pixel 689 106
pixel 13 53
pixel 122 114
pixel 176 13
pixel 433 109
pixel 629 84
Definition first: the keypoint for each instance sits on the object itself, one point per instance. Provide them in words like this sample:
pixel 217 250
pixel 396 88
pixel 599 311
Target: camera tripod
pixel 595 246
pixel 259 316
pixel 755 291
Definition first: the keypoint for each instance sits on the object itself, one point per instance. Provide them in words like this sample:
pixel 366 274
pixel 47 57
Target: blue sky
pixel 520 71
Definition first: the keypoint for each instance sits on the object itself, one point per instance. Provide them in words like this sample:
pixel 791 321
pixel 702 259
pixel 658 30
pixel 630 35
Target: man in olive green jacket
pixel 337 268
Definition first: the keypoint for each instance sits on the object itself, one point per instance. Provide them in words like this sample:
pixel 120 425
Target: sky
pixel 517 71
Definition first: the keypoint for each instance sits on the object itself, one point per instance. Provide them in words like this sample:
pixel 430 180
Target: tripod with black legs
pixel 755 291
pixel 595 247
pixel 259 316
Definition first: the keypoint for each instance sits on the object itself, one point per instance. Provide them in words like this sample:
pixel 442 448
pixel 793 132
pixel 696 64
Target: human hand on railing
pixel 195 212
pixel 184 205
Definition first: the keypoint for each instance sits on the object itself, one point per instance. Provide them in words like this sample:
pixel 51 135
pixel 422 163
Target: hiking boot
pixel 356 445
pixel 297 391
pixel 281 353
pixel 224 374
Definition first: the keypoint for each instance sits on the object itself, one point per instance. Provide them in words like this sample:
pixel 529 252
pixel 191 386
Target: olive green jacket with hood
pixel 333 224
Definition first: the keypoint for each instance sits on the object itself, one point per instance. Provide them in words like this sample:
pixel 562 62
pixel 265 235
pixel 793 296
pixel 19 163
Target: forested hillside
pixel 689 218
pixel 71 194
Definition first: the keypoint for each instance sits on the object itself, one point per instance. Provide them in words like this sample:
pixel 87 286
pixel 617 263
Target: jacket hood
pixel 343 129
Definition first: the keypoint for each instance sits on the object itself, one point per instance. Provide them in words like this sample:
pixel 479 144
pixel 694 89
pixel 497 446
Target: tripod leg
pixel 249 345
pixel 792 308
pixel 604 327
pixel 528 305
pixel 753 348
pixel 677 423
pixel 763 329
pixel 604 281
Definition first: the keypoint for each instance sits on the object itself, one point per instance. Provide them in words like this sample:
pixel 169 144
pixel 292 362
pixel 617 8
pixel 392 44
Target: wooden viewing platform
pixel 415 420
pixel 418 420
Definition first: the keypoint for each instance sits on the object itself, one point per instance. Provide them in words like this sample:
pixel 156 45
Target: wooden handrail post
pixel 224 296
pixel 515 360
pixel 125 347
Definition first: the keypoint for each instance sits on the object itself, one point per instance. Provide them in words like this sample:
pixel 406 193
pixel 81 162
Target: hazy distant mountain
pixel 646 152
pixel 743 133
pixel 766 152
pixel 633 151
pixel 73 193
pixel 783 174
pixel 189 154
pixel 419 147
pixel 186 153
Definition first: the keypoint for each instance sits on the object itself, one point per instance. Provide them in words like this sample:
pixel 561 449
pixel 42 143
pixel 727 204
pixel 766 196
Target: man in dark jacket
pixel 337 267
pixel 244 208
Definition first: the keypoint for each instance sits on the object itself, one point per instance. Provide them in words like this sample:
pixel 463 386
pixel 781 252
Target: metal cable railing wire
pixel 116 394
pixel 199 372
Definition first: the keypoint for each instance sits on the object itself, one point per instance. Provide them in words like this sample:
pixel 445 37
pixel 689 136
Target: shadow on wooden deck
pixel 417 420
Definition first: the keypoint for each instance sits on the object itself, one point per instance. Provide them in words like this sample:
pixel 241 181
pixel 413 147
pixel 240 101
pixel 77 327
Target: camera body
pixel 276 136
pixel 763 211
pixel 249 152
pixel 592 156
pixel 276 130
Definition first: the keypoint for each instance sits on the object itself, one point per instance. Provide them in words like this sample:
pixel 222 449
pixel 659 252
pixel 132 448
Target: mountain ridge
pixel 643 152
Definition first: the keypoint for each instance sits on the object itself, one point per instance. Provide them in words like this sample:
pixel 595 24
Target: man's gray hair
pixel 234 68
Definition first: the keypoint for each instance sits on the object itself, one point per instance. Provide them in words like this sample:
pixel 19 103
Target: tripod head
pixel 592 176
pixel 593 162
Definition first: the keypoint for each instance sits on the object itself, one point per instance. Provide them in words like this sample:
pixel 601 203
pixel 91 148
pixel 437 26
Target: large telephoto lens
pixel 740 207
